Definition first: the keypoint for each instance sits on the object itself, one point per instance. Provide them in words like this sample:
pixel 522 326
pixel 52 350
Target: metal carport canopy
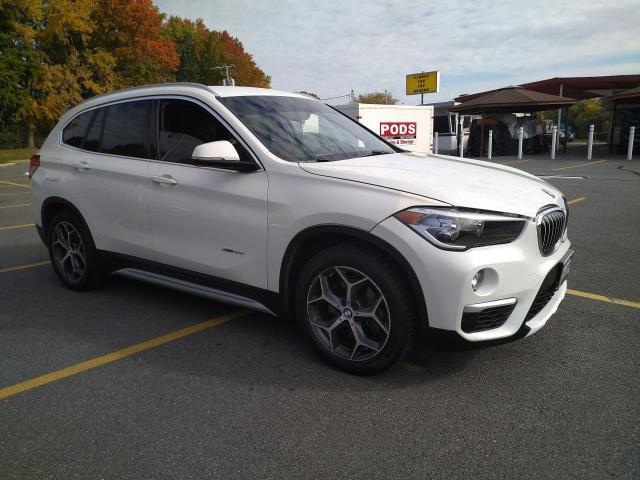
pixel 632 96
pixel 582 88
pixel 510 99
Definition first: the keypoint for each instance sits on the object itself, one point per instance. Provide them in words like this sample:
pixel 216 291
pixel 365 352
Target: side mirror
pixel 221 154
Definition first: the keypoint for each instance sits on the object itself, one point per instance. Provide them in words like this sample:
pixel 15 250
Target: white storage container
pixel 410 127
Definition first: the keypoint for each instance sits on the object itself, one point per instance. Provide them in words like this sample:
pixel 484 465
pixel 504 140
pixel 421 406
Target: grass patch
pixel 14 154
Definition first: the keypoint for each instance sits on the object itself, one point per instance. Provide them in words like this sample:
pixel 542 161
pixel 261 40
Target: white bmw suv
pixel 277 202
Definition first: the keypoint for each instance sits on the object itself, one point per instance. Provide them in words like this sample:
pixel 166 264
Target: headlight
pixel 456 229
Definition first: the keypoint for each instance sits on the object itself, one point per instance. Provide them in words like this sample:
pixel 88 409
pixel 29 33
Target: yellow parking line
pixel 13 193
pixel 114 356
pixel 579 165
pixel 576 200
pixel 23 185
pixel 14 176
pixel 15 227
pixel 23 267
pixel 16 206
pixel 602 298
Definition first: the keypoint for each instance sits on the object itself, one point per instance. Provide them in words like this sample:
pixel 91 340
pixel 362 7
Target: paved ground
pixel 247 398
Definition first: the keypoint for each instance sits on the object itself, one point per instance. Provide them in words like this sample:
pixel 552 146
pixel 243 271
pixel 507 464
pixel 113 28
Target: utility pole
pixel 228 80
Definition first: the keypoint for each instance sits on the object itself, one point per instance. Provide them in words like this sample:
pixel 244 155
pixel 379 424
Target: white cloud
pixel 330 47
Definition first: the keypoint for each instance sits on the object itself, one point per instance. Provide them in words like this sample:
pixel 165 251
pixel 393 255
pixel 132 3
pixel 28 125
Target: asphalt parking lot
pixel 129 382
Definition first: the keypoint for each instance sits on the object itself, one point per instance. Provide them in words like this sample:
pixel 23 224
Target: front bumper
pixel 445 279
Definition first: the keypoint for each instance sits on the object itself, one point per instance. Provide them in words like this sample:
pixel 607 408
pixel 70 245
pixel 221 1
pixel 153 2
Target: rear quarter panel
pixel 49 180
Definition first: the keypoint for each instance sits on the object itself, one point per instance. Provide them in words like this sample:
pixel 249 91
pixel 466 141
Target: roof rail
pixel 168 84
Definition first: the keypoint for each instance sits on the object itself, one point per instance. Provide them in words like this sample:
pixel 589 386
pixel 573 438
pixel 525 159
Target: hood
pixel 456 181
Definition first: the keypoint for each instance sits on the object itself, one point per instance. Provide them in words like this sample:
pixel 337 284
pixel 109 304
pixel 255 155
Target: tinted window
pixel 185 125
pixel 300 129
pixel 441 124
pixel 74 132
pixel 126 129
pixel 92 140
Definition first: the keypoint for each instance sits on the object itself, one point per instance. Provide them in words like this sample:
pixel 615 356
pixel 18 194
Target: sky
pixel 330 47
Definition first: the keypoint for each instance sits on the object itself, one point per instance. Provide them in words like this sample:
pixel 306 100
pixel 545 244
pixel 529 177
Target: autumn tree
pixel 384 98
pixel 309 94
pixel 56 69
pixel 245 71
pixel 132 31
pixel 55 53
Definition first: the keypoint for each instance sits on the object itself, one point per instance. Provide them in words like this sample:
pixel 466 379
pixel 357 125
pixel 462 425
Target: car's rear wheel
pixel 356 308
pixel 72 252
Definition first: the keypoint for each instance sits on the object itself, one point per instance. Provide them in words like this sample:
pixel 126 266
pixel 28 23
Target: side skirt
pixel 194 288
pixel 188 281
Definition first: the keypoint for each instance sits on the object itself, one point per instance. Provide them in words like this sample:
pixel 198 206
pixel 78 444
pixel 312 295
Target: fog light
pixel 476 281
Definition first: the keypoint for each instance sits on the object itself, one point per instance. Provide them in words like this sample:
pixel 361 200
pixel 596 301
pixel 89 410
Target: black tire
pixel 383 277
pixel 91 275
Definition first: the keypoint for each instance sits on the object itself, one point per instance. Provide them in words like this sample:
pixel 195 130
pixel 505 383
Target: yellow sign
pixel 425 82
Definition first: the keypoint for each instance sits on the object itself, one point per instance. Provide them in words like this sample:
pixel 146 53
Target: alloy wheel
pixel 69 252
pixel 348 313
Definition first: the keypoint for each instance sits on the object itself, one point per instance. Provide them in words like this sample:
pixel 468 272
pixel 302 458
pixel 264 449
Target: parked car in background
pixel 567 135
pixel 277 202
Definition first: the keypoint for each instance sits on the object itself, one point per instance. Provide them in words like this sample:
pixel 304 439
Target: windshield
pixel 303 130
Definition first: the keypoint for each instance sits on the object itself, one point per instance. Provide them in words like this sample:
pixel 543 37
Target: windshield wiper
pixel 370 153
pixel 374 153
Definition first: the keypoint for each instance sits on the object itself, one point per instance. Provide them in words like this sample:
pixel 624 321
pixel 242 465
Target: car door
pixel 106 174
pixel 204 219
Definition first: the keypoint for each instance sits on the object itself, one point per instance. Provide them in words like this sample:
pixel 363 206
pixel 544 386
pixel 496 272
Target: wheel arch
pixel 53 205
pixel 312 240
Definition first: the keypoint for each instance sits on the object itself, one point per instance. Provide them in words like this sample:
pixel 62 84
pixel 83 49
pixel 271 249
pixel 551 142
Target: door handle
pixel 82 166
pixel 164 180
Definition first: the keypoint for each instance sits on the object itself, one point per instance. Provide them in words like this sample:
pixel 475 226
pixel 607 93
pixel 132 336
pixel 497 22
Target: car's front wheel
pixel 356 308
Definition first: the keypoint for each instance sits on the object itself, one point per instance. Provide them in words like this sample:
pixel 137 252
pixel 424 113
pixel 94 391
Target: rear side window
pixel 126 129
pixel 185 125
pixel 92 140
pixel 74 132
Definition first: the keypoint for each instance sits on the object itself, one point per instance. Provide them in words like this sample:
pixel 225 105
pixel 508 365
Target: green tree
pixel 20 61
pixel 596 111
pixel 189 38
pixel 383 98
pixel 202 50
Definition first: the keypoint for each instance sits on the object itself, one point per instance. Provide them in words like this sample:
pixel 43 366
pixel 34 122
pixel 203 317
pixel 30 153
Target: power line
pixel 350 95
